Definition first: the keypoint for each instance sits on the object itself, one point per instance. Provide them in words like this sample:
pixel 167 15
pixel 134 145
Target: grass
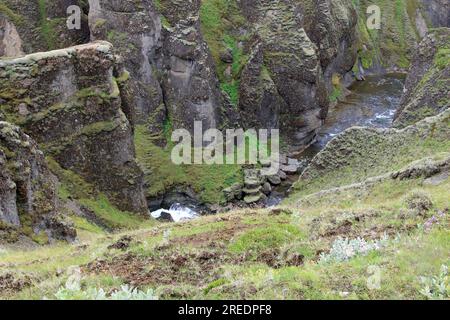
pixel 264 238
pixel 239 272
pixel 162 174
pixel 369 154
pixel 15 18
pixel 111 216
pixel 72 186
pixel 47 29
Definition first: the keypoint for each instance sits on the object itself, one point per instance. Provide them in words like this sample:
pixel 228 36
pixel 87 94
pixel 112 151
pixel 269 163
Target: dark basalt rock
pixel 29 27
pixel 73 110
pixel 27 187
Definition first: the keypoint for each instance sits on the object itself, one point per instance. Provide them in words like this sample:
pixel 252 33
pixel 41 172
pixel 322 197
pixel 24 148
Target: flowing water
pixel 176 213
pixel 372 103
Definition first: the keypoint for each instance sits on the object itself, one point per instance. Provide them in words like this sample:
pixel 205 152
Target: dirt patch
pixel 277 259
pixel 173 267
pixel 216 238
pixel 340 224
pixel 122 244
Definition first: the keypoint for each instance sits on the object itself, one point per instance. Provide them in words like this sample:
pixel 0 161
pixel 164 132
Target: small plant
pixel 436 287
pixel 73 291
pixel 345 249
pixel 434 220
pixel 419 202
pixel 125 293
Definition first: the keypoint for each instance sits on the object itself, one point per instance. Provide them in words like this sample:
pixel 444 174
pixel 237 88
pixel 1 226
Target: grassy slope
pixel 255 254
pixel 274 254
pixel 360 153
pixel 258 253
pixel 270 253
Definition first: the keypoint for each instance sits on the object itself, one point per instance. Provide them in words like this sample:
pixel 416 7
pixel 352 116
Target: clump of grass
pixel 264 238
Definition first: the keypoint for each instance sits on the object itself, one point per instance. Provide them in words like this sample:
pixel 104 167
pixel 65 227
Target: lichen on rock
pixel 68 101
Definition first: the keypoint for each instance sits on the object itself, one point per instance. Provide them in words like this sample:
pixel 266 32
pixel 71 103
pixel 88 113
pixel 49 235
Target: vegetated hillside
pixel 368 219
pixel 370 240
pixel 228 64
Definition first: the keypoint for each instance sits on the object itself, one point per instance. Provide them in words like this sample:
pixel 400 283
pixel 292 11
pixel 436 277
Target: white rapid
pixel 176 213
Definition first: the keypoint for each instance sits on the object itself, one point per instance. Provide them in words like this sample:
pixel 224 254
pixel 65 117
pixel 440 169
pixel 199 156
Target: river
pixel 372 103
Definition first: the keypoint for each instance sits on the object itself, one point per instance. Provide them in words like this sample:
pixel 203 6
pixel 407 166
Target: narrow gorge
pixel 93 92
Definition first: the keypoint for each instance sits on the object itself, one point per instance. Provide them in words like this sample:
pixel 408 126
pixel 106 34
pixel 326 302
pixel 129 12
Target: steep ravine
pixel 167 63
pixel 370 103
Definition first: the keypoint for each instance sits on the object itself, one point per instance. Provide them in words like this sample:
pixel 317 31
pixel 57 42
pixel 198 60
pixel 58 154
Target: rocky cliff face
pixel 367 155
pixel 27 187
pixel 31 26
pixel 69 102
pixel 190 84
pixel 427 86
pixel 134 27
pixel 403 25
pixel 247 63
pixel 293 50
pixel 437 12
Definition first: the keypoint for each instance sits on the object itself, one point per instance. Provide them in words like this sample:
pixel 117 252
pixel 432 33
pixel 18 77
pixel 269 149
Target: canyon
pixel 87 115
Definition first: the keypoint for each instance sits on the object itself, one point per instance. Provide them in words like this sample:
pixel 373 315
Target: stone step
pixel 274 180
pixel 253 191
pixel 252 183
pixel 253 198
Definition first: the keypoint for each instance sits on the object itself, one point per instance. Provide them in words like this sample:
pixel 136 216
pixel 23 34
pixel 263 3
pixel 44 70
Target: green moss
pixel 442 58
pixel 391 45
pixel 162 175
pixel 124 77
pixel 110 215
pixel 232 89
pixel 71 183
pixel 369 154
pixel 47 26
pixel 75 187
pixel 335 94
pixel 219 19
pixel 17 19
pixel 215 284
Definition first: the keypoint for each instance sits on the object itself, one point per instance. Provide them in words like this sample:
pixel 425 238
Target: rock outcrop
pixel 361 153
pixel 28 197
pixel 427 86
pixel 32 26
pixel 69 102
pixel 190 84
pixel 392 45
pixel 134 28
pixel 295 50
pixel 436 12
